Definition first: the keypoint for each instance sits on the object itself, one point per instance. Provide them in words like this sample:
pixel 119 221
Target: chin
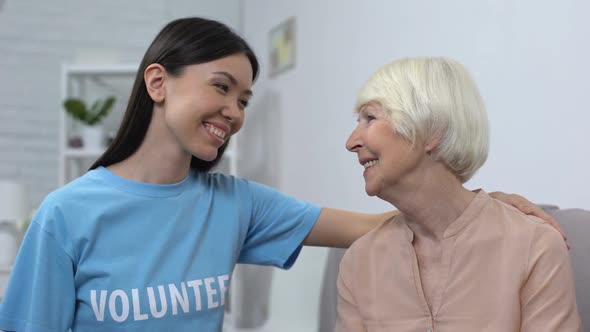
pixel 208 156
pixel 371 192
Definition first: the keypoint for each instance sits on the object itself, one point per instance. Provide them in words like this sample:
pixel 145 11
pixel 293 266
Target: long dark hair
pixel 182 42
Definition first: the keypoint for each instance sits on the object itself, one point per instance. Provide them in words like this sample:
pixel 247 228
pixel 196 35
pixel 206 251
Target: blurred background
pixel 529 58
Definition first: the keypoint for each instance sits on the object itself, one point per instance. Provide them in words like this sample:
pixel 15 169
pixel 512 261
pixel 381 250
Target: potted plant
pixel 90 117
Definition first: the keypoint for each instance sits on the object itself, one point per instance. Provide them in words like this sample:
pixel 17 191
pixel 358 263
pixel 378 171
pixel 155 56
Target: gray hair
pixel 433 97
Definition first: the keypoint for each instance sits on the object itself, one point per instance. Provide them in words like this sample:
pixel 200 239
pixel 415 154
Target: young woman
pixel 452 260
pixel 148 238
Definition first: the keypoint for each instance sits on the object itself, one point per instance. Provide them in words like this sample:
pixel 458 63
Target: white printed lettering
pixel 137 315
pixel 195 285
pixel 98 309
pixel 119 303
pixel 222 286
pixel 152 300
pixel 124 305
pixel 176 298
pixel 210 293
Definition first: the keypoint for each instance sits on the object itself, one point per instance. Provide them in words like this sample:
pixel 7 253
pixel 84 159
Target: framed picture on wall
pixel 282 47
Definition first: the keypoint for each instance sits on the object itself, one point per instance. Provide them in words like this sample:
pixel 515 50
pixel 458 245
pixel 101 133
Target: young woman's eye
pixel 371 118
pixel 221 86
pixel 244 103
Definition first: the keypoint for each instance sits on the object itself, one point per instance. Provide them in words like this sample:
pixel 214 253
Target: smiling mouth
pixel 370 163
pixel 216 131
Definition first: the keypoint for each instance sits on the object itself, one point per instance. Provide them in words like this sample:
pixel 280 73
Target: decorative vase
pixel 92 137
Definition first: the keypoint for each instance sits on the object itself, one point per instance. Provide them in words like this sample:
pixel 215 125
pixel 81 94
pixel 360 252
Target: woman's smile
pixel 217 131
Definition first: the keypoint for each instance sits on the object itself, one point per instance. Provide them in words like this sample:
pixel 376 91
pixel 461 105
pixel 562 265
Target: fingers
pixel 538 212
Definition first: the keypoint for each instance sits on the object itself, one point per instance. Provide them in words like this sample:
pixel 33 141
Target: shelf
pixel 90 81
pixel 73 153
pixel 120 69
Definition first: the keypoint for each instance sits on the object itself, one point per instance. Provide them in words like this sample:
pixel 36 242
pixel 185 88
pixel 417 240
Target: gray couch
pixel 575 223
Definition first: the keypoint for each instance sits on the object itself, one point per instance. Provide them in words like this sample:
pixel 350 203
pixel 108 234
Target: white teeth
pixel 215 131
pixel 370 163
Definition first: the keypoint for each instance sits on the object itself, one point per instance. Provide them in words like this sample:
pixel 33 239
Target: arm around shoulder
pixel 340 228
pixel 548 296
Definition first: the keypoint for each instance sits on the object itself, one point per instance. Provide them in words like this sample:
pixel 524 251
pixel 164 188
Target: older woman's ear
pixel 432 143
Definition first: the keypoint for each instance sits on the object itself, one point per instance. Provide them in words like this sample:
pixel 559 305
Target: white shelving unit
pixel 90 82
pixel 4 275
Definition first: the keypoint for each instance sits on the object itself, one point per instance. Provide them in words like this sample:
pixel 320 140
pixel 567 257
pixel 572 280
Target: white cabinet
pixel 4 274
pixel 90 82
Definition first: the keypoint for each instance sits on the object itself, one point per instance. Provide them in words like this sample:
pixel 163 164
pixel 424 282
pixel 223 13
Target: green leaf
pixel 105 108
pixel 94 107
pixel 76 108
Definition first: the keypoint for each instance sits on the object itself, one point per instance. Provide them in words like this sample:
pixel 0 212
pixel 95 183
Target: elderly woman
pixel 453 260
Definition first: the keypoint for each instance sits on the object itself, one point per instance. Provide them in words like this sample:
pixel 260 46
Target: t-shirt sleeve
pixel 41 293
pixel 548 297
pixel 278 226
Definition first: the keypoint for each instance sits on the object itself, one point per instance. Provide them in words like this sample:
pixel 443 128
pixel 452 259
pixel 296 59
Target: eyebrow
pixel 232 79
pixel 363 109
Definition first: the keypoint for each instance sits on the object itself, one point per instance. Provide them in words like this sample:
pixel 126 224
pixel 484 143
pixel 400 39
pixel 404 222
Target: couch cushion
pixel 576 225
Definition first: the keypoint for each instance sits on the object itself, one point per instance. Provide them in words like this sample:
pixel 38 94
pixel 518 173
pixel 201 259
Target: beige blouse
pixel 501 271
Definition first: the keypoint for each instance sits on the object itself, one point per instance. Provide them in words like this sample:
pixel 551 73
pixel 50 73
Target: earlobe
pixel 155 79
pixel 432 144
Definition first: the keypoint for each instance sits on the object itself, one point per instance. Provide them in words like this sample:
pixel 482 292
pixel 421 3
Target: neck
pixel 430 200
pixel 159 159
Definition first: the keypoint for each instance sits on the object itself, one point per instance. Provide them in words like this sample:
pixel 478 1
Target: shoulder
pixel 392 233
pixel 392 228
pixel 514 219
pixel 531 233
pixel 218 178
pixel 83 184
pixel 246 191
pixel 72 205
pixel 372 254
pixel 223 182
pixel 70 193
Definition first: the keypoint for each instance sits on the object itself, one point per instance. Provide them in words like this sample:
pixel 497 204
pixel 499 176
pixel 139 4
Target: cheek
pixel 376 141
pixel 181 117
pixel 176 114
pixel 238 124
pixel 178 125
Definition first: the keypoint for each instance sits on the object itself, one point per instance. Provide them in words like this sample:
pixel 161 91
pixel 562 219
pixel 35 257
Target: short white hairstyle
pixel 433 97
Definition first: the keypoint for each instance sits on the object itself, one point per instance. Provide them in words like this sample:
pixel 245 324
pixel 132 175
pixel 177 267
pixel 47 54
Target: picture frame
pixel 282 47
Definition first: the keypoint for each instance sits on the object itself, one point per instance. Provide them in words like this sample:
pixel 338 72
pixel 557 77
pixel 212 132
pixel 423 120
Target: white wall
pixel 529 58
pixel 36 36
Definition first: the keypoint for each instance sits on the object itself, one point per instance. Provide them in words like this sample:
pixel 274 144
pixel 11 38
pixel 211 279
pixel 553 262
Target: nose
pixel 233 113
pixel 354 142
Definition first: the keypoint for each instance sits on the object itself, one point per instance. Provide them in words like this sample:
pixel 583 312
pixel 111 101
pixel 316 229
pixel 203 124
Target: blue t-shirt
pixel 107 254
